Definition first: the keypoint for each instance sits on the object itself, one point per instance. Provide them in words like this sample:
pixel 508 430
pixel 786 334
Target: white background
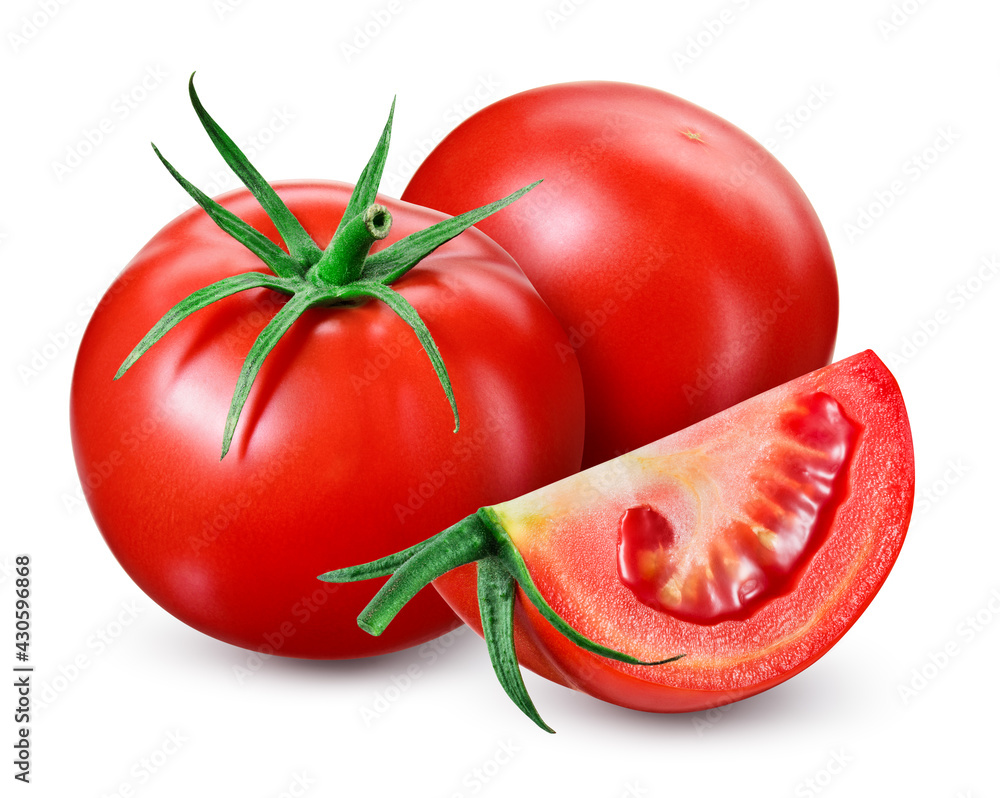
pixel 905 704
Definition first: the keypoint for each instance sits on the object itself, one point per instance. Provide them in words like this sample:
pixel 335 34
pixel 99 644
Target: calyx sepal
pixel 478 538
pixel 342 274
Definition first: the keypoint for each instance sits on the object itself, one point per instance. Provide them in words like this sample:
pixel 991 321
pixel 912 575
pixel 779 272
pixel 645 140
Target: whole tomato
pixel 346 446
pixel 686 265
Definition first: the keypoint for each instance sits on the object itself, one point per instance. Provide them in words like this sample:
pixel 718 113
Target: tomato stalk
pixel 344 262
pixel 478 538
pixel 343 273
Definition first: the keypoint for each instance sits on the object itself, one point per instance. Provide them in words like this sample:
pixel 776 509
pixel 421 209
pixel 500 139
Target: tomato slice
pixel 820 469
pixel 749 543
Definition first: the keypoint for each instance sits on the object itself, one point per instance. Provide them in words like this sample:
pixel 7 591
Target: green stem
pixel 479 538
pixel 312 278
pixel 467 541
pixel 496 588
pixel 343 260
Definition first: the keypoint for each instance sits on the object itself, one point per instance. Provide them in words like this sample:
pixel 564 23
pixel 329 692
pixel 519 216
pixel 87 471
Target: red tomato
pixel 345 448
pixel 686 265
pixel 749 543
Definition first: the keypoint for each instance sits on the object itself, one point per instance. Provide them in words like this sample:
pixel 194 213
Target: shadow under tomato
pixel 827 696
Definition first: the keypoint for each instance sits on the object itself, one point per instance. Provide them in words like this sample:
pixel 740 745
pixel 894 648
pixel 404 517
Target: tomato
pixel 747 544
pixel 686 265
pixel 346 445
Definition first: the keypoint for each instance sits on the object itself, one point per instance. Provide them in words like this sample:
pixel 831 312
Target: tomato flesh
pixel 718 561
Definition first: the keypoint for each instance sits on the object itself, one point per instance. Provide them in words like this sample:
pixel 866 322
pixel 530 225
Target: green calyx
pixel 478 538
pixel 342 274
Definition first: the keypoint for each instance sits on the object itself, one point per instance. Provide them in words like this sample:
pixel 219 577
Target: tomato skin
pixel 731 660
pixel 686 265
pixel 345 449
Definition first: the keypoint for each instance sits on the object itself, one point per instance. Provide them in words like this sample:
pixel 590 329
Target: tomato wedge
pixel 747 544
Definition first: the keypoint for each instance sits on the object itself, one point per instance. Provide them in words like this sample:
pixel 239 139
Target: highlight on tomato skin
pixel 697 570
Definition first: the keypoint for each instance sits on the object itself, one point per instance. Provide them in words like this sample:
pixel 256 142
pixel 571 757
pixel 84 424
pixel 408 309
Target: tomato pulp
pixel 345 448
pixel 686 265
